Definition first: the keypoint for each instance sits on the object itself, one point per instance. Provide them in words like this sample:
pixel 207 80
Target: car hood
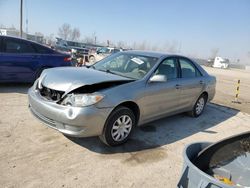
pixel 70 78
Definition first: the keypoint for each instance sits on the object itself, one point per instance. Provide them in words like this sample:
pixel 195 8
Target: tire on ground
pixel 193 112
pixel 106 136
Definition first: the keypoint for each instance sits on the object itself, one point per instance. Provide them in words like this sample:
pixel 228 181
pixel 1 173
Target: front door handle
pixel 177 86
pixel 201 82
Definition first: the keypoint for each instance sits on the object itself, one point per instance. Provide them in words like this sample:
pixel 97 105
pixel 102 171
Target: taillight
pixel 67 59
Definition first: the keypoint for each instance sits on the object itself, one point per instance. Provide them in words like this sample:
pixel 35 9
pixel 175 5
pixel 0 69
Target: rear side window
pixel 188 70
pixel 42 49
pixel 18 46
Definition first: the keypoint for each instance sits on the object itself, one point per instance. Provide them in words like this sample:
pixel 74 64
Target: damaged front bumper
pixel 72 121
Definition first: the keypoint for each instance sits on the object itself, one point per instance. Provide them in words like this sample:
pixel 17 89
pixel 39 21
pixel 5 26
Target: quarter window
pixel 18 46
pixel 168 68
pixel 188 70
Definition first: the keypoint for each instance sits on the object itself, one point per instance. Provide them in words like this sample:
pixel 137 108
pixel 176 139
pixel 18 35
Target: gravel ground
pixel 33 155
pixel 226 87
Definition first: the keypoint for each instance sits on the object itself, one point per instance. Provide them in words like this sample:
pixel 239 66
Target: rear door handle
pixel 177 86
pixel 201 82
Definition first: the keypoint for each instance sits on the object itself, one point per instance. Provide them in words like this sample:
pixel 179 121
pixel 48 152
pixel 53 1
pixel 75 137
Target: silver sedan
pixel 116 94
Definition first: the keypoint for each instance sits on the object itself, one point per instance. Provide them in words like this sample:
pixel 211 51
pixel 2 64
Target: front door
pixel 162 98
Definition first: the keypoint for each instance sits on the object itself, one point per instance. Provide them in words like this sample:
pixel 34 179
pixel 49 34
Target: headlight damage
pixel 80 100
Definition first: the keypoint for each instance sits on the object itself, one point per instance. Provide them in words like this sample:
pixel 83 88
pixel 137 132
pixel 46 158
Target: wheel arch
pixel 132 106
pixel 205 93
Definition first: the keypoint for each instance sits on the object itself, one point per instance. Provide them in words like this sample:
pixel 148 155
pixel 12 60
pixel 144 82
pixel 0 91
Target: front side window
pixel 188 70
pixel 168 68
pixel 18 46
pixel 127 65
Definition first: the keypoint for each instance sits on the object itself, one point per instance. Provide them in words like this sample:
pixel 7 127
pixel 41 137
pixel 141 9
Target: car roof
pixel 7 36
pixel 155 54
pixel 148 53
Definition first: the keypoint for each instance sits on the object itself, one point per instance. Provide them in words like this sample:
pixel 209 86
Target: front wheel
pixel 118 126
pixel 199 106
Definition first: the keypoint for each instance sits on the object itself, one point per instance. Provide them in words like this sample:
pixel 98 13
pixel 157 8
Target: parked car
pixel 124 90
pixel 101 53
pixel 220 62
pixel 23 61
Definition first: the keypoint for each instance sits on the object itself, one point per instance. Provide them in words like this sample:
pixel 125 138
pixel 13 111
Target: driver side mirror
pixel 158 78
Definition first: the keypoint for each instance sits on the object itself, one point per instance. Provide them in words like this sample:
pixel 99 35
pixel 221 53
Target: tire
pixel 91 59
pixel 118 126
pixel 199 106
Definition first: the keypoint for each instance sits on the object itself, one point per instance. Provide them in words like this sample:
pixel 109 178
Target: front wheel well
pixel 205 94
pixel 132 106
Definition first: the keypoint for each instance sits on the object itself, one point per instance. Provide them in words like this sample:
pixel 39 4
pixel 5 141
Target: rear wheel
pixel 118 126
pixel 199 106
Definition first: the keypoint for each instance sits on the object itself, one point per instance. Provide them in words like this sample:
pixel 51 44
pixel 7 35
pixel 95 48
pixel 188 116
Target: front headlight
pixel 80 100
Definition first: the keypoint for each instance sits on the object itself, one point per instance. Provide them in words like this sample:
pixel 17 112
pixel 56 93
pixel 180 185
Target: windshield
pixel 127 65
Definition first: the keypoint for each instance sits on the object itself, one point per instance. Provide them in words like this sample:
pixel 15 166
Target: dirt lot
pixel 226 87
pixel 33 155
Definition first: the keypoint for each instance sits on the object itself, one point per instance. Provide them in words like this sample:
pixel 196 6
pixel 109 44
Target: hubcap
pixel 200 105
pixel 121 128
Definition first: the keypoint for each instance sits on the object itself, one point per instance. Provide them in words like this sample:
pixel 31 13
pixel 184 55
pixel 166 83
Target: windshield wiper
pixel 111 72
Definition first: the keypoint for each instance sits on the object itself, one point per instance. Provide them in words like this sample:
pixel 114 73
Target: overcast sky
pixel 195 26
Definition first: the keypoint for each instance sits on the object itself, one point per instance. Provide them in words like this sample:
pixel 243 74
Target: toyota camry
pixel 124 90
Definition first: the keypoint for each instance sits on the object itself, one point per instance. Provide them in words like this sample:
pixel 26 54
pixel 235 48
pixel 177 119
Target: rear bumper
pixel 72 121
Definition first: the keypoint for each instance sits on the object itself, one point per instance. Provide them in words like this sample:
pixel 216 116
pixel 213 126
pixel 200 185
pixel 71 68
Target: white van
pixel 219 62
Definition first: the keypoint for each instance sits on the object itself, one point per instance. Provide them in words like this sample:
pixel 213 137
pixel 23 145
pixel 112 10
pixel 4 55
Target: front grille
pixel 51 94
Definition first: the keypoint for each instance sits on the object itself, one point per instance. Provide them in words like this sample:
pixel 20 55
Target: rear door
pixel 191 83
pixel 18 60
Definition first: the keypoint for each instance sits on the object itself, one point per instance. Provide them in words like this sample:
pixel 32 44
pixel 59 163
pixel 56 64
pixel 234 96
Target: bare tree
pixel 214 52
pixel 134 45
pixel 171 47
pixel 143 45
pixel 155 48
pixel 94 37
pixel 120 44
pixel 75 34
pixel 12 27
pixel 88 39
pixel 65 31
pixel 38 34
pixel 91 39
pixel 50 40
pixel 248 54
